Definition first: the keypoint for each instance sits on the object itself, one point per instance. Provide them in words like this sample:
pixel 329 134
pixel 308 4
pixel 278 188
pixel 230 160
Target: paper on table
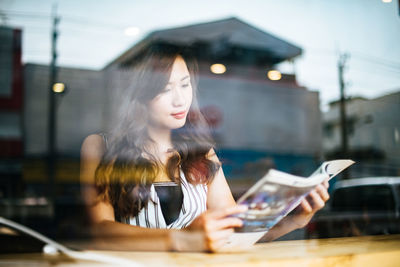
pixel 241 241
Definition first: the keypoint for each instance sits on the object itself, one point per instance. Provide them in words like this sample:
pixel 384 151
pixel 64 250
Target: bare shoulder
pixel 92 151
pixel 93 147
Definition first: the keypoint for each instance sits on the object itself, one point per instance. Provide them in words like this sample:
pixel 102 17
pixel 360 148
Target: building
pixel 11 111
pixel 258 119
pixel 257 123
pixel 373 134
pixel 79 110
pixel 262 122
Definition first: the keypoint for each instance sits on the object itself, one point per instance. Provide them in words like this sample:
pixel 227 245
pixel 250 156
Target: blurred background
pixel 283 84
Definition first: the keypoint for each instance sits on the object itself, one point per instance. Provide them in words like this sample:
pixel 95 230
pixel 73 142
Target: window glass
pixel 109 109
pixel 364 199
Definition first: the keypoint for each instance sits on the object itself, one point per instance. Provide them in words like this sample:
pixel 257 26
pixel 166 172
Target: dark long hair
pixel 124 175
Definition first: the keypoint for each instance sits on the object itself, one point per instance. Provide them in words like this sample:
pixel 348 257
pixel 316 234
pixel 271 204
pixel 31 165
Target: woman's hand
pixel 310 205
pixel 216 226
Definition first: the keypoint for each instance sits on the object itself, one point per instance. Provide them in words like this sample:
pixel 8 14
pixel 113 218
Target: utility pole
pixel 52 153
pixel 343 119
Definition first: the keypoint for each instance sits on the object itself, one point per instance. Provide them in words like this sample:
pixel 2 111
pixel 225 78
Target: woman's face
pixel 169 109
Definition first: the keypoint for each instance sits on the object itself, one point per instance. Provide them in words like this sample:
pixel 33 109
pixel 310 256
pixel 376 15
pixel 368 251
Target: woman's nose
pixel 178 98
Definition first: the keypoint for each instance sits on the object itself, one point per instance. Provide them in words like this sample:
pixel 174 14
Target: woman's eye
pixel 185 85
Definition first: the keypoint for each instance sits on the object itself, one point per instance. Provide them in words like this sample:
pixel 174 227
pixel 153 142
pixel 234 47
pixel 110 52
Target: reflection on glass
pixel 274 75
pixel 250 123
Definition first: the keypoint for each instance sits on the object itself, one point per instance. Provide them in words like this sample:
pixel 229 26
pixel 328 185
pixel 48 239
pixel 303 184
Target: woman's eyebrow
pixel 187 76
pixel 184 78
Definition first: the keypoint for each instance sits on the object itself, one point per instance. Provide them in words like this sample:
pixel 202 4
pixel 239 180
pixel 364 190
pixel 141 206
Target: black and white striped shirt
pixel 151 216
pixel 194 203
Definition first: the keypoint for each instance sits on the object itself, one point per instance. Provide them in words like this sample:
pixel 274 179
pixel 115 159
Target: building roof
pixel 361 98
pixel 221 37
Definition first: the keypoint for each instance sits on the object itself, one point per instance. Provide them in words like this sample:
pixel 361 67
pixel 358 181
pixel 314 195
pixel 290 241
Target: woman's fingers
pixel 217 245
pixel 217 214
pixel 317 201
pixel 218 239
pixel 229 222
pixel 323 192
pixel 219 235
pixel 217 226
pixel 306 206
pixel 316 198
pixel 219 219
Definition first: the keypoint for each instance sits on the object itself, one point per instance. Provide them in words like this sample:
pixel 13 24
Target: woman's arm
pixel 105 231
pixel 91 153
pixel 220 197
pixel 205 233
pixel 219 194
pixel 216 224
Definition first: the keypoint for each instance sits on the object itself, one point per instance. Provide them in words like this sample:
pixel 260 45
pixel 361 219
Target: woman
pixel 157 150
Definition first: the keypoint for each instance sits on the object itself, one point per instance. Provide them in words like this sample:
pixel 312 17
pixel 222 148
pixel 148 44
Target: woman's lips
pixel 179 115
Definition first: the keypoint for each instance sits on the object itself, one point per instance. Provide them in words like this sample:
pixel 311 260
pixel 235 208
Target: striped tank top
pixel 194 203
pixel 151 216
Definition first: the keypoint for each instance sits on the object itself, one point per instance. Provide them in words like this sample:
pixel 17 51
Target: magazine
pixel 273 197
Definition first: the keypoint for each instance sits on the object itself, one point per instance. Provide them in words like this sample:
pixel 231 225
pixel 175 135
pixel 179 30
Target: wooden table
pixel 356 251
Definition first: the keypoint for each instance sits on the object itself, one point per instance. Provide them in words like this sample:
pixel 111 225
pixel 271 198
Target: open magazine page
pixel 273 197
pixel 278 193
pixel 268 202
pixel 333 167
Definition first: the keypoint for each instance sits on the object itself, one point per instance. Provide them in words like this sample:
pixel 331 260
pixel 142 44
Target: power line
pixel 387 72
pixel 377 60
pixel 81 20
pixel 35 15
pixel 66 18
pixel 361 56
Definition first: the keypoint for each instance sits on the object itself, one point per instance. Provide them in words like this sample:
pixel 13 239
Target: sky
pixel 92 34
